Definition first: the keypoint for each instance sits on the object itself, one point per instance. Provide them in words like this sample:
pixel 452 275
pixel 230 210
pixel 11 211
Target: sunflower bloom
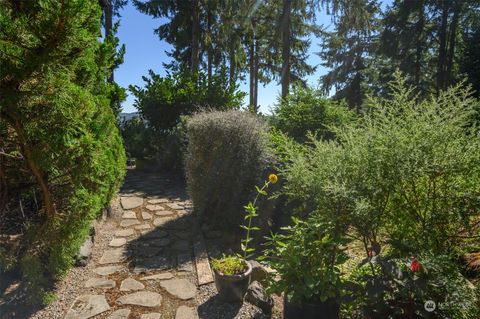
pixel 273 178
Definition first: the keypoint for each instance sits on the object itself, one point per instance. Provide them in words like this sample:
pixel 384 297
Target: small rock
pixel 184 312
pixel 130 284
pixel 257 296
pixel 258 272
pixel 162 276
pixel 146 216
pixel 129 222
pixel 124 232
pixel 129 215
pixel 117 242
pixel 152 315
pixel 131 202
pixel 180 288
pixel 99 283
pixel 85 252
pixel 87 306
pixel 120 314
pixel 107 270
pixel 141 298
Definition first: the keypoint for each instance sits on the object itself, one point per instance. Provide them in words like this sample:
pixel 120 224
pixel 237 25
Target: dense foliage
pixel 60 149
pixel 226 154
pixel 404 179
pixel 307 110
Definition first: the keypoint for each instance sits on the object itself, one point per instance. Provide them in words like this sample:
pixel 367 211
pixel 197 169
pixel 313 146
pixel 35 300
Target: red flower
pixel 415 265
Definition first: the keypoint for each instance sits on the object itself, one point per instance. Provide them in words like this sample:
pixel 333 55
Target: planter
pixel 232 288
pixel 329 309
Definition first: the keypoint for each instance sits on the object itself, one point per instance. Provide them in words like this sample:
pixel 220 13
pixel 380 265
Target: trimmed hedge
pixel 226 155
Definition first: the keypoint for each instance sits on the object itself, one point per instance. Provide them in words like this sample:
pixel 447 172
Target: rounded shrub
pixel 226 154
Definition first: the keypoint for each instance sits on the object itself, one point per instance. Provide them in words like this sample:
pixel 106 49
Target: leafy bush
pixel 226 154
pixel 307 110
pixel 405 178
pixel 164 100
pixel 60 132
pixel 409 170
pixel 307 257
pixel 396 289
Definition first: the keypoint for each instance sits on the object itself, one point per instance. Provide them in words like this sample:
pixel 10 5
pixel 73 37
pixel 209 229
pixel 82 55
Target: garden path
pixel 149 269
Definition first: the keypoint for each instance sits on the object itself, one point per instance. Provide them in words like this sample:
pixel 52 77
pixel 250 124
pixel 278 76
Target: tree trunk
pixel 48 205
pixel 108 11
pixel 452 42
pixel 232 67
pixel 442 48
pixel 287 8
pixel 255 66
pixel 195 36
pixel 210 49
pixel 419 37
pixel 252 72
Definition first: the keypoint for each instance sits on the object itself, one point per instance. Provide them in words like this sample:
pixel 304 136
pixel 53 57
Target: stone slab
pixel 141 298
pixel 129 215
pixel 99 283
pixel 131 284
pixel 157 263
pixel 152 315
pixel 87 306
pixel 117 242
pixel 174 206
pixel 107 270
pixel 129 222
pixel 162 276
pixel 180 288
pixel 113 256
pixel 124 232
pixel 154 207
pixel 158 201
pixel 146 216
pixel 120 314
pixel 143 227
pixel 162 221
pixel 184 312
pixel 163 213
pixel 154 234
pixel 204 272
pixel 131 202
pixel 184 262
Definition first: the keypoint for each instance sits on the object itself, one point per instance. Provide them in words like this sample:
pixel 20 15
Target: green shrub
pixel 409 171
pixel 60 129
pixel 225 156
pixel 394 288
pixel 307 110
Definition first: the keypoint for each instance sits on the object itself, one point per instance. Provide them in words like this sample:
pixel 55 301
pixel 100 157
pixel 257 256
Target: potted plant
pixel 232 273
pixel 307 257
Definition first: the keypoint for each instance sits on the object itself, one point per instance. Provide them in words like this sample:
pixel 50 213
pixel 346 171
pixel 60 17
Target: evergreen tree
pixel 58 131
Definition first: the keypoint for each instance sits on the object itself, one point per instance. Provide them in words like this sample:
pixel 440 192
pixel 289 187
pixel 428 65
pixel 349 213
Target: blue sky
pixel 145 51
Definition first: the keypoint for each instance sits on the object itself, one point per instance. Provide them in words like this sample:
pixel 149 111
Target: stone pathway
pixel 149 269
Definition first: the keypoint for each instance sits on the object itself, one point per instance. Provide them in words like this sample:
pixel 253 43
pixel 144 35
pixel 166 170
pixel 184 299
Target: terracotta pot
pixel 329 309
pixel 232 288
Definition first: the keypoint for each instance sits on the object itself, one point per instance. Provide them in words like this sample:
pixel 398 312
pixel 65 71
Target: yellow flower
pixel 272 178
